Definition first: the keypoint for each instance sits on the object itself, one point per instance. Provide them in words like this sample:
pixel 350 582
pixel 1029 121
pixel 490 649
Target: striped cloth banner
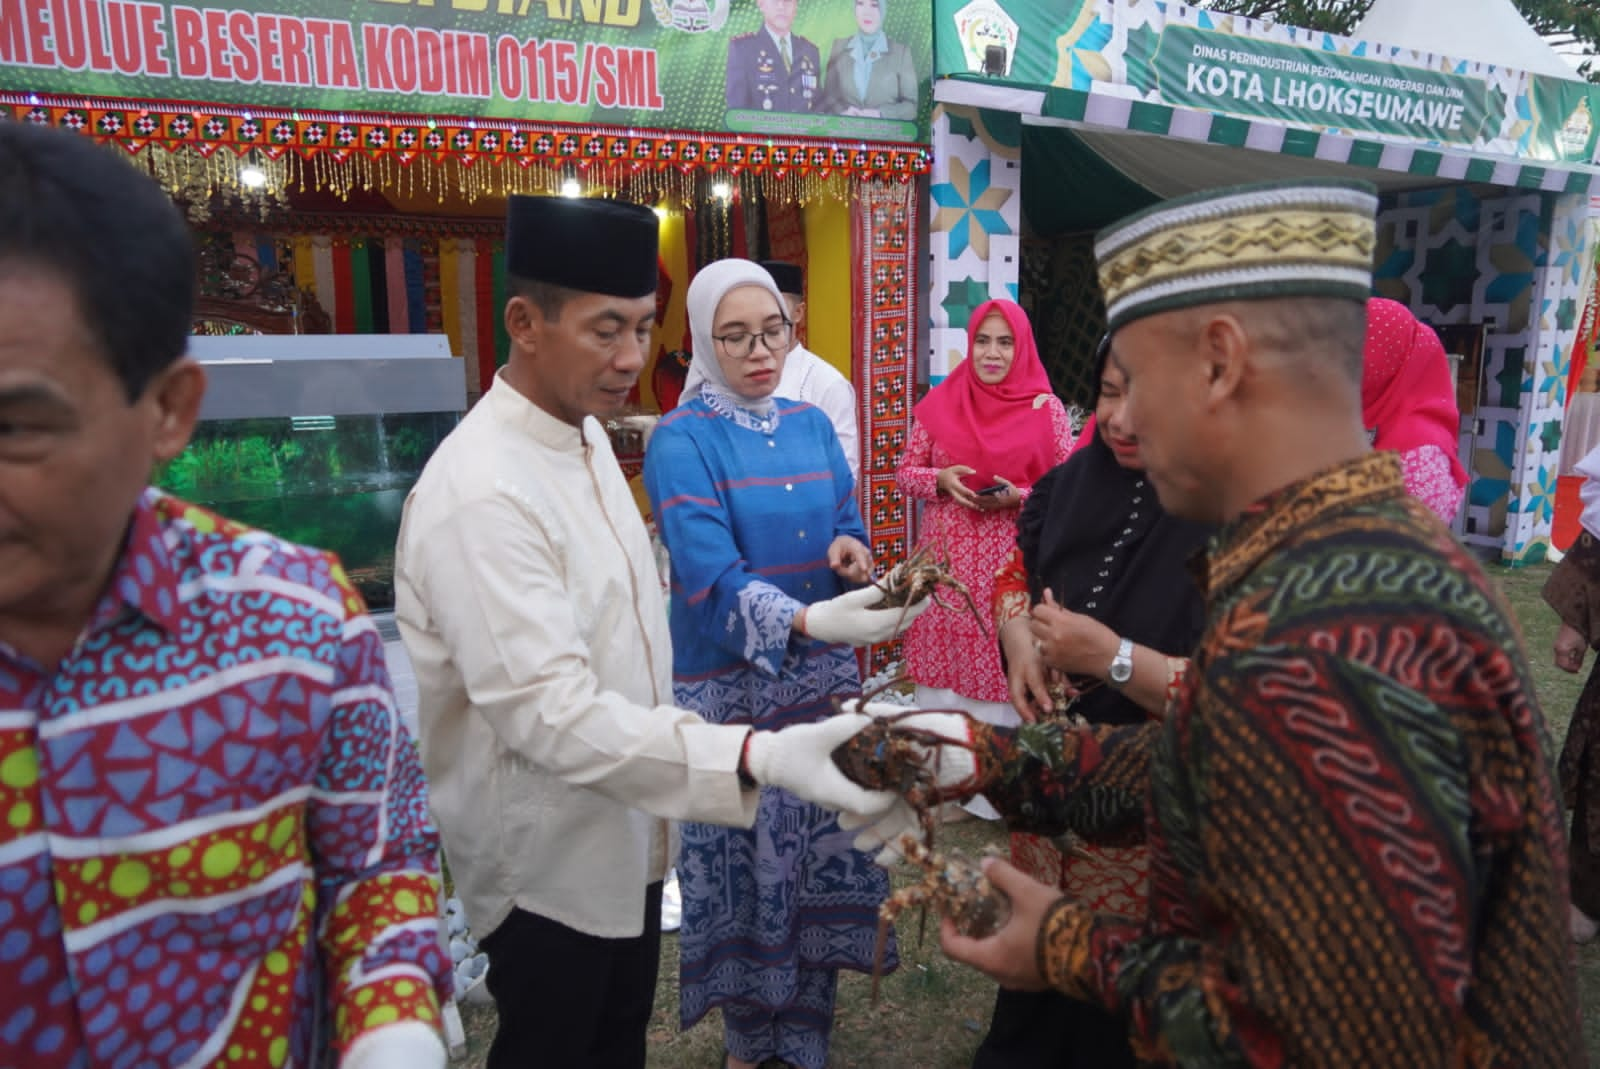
pixel 462 303
pixel 368 285
pixel 402 285
pixel 394 263
pixel 450 309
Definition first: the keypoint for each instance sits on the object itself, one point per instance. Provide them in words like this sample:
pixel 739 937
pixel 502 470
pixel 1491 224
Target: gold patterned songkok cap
pixel 1301 238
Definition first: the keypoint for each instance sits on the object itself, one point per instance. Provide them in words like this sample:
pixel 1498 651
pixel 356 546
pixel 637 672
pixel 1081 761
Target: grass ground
pixel 932 1013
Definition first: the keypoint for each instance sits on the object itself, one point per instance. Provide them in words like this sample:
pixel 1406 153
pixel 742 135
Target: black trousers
pixel 567 999
pixel 1048 1030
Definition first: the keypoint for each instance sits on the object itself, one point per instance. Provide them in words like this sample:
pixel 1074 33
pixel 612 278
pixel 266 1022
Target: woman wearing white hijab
pixel 756 506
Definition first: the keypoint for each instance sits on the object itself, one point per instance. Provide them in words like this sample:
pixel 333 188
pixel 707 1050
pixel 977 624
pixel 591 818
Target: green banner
pixel 855 69
pixel 1242 76
pixel 1566 120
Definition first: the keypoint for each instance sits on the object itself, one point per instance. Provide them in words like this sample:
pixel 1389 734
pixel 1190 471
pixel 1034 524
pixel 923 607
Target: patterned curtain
pixel 713 221
pixel 884 249
pixel 1061 293
pixel 753 204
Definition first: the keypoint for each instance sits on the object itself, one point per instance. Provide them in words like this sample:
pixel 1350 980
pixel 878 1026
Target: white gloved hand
pixel 953 761
pixel 800 760
pixel 880 835
pixel 403 1045
pixel 849 620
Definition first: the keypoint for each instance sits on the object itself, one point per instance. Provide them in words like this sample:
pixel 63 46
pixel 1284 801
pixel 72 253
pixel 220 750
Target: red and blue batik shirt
pixel 215 846
pixel 1356 847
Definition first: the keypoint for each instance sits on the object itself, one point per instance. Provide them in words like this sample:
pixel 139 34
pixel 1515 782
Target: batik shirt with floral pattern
pixel 1357 854
pixel 215 846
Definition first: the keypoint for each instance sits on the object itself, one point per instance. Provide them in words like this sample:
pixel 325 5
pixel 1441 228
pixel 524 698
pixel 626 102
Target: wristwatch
pixel 1122 664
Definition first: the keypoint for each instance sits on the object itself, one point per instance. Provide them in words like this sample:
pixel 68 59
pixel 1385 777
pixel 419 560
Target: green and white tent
pixel 1056 117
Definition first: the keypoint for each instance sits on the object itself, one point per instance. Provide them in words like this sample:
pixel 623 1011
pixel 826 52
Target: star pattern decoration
pixel 1491 487
pixel 1566 314
pixel 1140 56
pixel 1452 269
pixel 969 209
pixel 1511 264
pixel 1552 379
pixel 1080 48
pixel 1550 436
pixel 1541 493
pixel 1567 247
pixel 961 298
pixel 1508 382
pixel 961 126
pixel 1495 103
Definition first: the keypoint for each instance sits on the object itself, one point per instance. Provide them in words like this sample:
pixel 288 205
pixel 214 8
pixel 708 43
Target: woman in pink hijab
pixel 979 440
pixel 1408 402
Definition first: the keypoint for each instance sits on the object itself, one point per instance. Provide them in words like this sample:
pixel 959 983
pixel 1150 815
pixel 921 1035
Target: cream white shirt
pixel 809 378
pixel 526 594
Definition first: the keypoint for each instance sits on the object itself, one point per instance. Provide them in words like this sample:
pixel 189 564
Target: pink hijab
pixel 1001 429
pixel 1408 398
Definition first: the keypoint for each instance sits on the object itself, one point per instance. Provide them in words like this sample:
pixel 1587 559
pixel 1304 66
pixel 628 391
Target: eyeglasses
pixel 742 343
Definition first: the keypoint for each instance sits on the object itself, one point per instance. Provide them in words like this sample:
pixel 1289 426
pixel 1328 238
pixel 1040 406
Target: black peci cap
pixel 788 276
pixel 584 244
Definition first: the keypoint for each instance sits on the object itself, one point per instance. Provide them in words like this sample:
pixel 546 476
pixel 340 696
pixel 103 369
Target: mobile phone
pixel 990 490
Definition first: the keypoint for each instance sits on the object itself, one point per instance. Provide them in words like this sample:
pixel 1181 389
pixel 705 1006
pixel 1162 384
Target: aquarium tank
pixel 318 439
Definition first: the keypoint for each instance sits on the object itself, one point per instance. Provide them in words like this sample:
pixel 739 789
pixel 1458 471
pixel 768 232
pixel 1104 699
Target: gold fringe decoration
pixel 204 183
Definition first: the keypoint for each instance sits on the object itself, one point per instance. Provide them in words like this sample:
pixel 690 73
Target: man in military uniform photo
pixel 773 69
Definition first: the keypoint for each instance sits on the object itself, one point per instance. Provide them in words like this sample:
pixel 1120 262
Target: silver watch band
pixel 1121 665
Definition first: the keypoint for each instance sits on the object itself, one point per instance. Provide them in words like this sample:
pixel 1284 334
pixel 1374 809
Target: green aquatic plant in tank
pixel 336 482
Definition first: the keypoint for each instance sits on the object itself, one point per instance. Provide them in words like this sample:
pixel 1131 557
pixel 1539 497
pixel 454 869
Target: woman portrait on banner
pixel 869 75
pixel 1408 403
pixel 1096 614
pixel 979 441
pixel 757 509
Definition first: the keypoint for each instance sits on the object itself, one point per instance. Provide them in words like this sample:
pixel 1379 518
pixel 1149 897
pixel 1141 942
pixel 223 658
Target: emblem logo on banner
pixel 982 25
pixel 691 16
pixel 1576 131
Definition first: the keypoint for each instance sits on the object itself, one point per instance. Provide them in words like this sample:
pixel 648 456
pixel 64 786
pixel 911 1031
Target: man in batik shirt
pixel 1357 855
pixel 214 837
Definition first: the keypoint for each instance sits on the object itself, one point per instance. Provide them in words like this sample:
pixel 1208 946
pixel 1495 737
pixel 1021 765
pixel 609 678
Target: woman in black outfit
pixel 1096 614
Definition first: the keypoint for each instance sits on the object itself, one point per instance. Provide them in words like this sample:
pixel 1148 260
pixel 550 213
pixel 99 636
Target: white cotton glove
pixel 955 759
pixel 847 619
pixel 956 764
pixel 800 760
pixel 403 1045
pixel 880 835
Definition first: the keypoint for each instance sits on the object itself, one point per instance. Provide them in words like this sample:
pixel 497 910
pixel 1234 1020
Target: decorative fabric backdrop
pixel 974 224
pixel 391 275
pixel 884 308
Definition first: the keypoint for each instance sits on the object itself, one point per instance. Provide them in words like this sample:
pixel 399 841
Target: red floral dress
pixel 951 646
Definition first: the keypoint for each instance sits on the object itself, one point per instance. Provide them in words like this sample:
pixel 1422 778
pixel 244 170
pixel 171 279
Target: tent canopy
pixel 1114 173
pixel 1489 31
